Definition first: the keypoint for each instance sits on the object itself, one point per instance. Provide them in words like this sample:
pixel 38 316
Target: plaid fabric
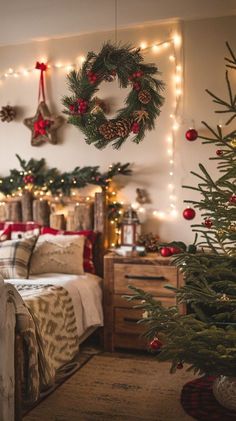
pixel 90 237
pixel 15 256
pixel 199 402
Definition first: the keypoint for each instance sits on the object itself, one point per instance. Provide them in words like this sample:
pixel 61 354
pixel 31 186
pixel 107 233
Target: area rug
pixel 117 387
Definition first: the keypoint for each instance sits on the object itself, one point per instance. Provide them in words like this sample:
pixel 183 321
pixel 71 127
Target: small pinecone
pixel 123 127
pixel 7 113
pixel 144 97
pixel 108 130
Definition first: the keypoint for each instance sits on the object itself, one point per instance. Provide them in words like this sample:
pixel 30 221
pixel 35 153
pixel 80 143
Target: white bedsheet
pixel 84 290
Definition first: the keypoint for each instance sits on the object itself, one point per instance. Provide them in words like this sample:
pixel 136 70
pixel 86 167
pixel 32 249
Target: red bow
pixel 42 67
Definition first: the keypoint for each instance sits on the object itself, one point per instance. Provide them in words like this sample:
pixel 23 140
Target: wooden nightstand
pixel 149 273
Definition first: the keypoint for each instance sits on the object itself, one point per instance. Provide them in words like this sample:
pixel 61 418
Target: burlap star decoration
pixel 43 126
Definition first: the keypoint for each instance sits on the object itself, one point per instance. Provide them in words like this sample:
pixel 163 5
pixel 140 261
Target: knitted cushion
pixel 90 237
pixel 58 254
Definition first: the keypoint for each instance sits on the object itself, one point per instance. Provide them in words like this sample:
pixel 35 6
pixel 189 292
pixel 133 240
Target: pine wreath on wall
pixel 142 105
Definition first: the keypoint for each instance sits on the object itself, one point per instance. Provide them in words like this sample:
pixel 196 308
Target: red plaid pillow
pixel 22 229
pixel 90 237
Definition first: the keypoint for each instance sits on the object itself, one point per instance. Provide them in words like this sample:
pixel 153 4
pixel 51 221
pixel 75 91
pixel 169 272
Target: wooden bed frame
pixel 101 227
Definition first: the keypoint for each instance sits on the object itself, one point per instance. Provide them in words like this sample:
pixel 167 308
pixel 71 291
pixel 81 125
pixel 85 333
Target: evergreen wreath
pixel 142 105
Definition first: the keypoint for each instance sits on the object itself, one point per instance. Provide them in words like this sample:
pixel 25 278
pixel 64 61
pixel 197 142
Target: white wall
pixel 203 52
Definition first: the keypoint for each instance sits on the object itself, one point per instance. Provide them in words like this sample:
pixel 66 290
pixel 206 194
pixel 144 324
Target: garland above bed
pixel 34 175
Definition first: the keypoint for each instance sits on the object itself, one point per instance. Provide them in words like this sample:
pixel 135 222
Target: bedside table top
pixel 149 259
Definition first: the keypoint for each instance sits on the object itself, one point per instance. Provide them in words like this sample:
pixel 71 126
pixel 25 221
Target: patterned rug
pixel 122 387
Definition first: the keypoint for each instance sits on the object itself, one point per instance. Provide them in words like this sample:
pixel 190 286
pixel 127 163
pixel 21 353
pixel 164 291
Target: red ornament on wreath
pixel 219 152
pixel 191 135
pixel 155 344
pixel 43 125
pixel 189 214
pixel 165 252
pixel 232 199
pixel 208 223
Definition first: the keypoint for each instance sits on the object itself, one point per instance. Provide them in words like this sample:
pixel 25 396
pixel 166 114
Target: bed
pixel 44 319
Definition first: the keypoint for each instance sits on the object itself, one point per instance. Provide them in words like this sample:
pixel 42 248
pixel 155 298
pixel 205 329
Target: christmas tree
pixel 205 337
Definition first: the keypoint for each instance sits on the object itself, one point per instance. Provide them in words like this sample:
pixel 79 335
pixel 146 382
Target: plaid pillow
pixel 15 256
pixel 90 237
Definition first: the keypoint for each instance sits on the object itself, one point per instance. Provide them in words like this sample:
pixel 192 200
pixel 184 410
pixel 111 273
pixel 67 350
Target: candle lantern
pixel 130 228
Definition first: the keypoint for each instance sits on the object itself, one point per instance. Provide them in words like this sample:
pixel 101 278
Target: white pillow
pixel 58 254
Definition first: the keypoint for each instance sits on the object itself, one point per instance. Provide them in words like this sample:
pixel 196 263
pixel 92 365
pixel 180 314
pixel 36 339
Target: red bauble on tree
pixel 175 250
pixel 180 366
pixel 219 152
pixel 191 135
pixel 155 344
pixel 165 252
pixel 189 213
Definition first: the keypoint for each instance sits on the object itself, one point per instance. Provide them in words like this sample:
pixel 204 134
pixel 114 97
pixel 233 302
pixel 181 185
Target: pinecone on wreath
pixel 7 113
pixel 108 130
pixel 144 97
pixel 123 127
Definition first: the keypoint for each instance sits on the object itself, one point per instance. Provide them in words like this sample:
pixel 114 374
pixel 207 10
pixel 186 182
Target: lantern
pixel 130 228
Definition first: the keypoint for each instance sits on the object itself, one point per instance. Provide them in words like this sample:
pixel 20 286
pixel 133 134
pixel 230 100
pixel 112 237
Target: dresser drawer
pixel 126 321
pixel 150 278
pixel 120 301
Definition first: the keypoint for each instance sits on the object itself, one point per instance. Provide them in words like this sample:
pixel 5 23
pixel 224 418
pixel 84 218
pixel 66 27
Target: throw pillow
pixel 58 254
pixel 15 257
pixel 23 229
pixel 90 238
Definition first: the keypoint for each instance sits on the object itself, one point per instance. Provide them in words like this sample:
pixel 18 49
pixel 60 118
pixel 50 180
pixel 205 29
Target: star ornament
pixel 43 126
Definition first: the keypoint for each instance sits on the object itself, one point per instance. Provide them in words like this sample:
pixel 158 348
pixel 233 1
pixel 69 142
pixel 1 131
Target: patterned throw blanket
pixel 52 340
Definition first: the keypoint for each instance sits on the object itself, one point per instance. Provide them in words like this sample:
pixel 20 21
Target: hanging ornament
pixel 232 199
pixel 7 113
pixel 180 366
pixel 189 213
pixel 219 152
pixel 208 223
pixel 233 143
pixel 155 344
pixel 191 134
pixel 127 64
pixel 165 252
pixel 43 125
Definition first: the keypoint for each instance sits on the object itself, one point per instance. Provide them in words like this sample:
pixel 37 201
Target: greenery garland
pixel 35 175
pixel 142 105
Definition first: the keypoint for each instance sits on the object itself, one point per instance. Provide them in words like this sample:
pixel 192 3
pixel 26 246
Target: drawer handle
pixel 145 278
pixel 130 320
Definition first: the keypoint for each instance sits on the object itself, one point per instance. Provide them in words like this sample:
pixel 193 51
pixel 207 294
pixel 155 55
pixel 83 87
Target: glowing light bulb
pixel 10 71
pixel 170 152
pixel 58 65
pixel 172 58
pixel 143 45
pixel 166 44
pixel 178 68
pixel 169 139
pixel 178 92
pixel 155 48
pixel 177 40
pixel 175 126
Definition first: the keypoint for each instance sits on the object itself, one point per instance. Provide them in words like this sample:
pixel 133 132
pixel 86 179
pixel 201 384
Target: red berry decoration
pixel 155 344
pixel 180 366
pixel 233 198
pixel 28 179
pixel 92 77
pixel 219 152
pixel 191 135
pixel 208 223
pixel 136 86
pixel 189 213
pixel 135 127
pixel 165 252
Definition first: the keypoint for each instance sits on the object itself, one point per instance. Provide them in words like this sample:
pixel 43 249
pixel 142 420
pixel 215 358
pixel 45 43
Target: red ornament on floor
pixel 208 223
pixel 189 213
pixel 155 344
pixel 165 252
pixel 191 134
